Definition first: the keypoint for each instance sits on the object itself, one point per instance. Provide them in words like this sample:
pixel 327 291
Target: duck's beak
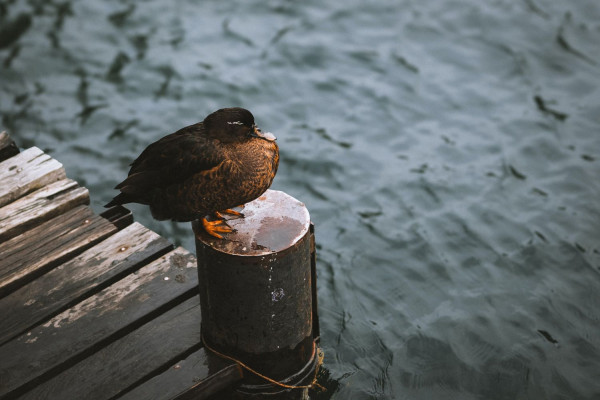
pixel 263 135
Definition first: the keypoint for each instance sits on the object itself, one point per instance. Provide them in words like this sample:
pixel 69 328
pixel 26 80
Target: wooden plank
pixel 26 172
pixel 8 148
pixel 197 377
pixel 40 206
pixel 27 256
pixel 91 324
pixel 141 355
pixel 94 269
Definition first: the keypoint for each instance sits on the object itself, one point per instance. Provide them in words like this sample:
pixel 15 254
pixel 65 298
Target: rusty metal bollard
pixel 258 295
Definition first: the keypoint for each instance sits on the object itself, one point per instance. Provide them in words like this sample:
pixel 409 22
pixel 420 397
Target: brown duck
pixel 214 165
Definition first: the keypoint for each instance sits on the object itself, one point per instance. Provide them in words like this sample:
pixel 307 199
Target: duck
pixel 203 170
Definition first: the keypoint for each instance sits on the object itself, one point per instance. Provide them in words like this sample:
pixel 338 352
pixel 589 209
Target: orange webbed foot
pixel 231 212
pixel 213 228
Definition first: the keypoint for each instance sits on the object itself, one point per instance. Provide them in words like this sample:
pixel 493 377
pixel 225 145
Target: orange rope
pixel 320 357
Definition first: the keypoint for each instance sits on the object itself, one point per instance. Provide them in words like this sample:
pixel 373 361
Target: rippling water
pixel 449 154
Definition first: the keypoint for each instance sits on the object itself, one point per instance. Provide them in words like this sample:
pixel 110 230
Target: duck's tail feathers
pixel 124 198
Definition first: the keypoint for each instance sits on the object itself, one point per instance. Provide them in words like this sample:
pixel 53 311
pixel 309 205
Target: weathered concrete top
pixel 273 222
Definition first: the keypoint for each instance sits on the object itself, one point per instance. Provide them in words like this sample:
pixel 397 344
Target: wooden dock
pixel 93 306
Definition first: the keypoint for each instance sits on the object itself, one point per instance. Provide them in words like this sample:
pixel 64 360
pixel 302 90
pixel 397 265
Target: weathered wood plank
pixel 199 376
pixel 69 283
pixel 26 172
pixel 8 148
pixel 135 358
pixel 91 324
pixel 40 206
pixel 27 256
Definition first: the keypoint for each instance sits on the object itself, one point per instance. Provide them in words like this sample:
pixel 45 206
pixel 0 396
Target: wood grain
pixel 69 283
pixel 26 172
pixel 34 252
pixel 144 353
pixel 85 328
pixel 92 307
pixel 40 206
pixel 198 376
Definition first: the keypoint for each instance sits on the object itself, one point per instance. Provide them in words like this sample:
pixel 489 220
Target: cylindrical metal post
pixel 256 292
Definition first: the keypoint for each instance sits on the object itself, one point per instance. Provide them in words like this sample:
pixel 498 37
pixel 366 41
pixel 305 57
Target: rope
pixel 320 357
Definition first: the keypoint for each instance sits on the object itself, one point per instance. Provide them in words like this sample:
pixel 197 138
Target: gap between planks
pixel 85 328
pixel 82 276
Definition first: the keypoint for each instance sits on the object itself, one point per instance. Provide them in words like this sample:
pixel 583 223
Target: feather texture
pixel 213 165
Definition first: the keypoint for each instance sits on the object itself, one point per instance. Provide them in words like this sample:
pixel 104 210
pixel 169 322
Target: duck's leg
pixel 231 212
pixel 213 228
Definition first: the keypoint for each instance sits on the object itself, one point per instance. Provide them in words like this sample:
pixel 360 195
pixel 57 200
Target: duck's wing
pixel 168 161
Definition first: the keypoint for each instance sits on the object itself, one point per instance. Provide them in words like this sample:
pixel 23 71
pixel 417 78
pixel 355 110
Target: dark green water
pixel 448 151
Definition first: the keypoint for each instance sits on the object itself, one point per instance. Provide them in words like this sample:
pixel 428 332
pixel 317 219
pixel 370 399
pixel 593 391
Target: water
pixel 449 154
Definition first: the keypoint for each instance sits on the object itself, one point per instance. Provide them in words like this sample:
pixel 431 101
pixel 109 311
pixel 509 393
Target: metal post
pixel 256 294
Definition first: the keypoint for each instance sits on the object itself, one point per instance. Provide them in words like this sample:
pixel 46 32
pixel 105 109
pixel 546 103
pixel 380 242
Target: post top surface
pixel 271 223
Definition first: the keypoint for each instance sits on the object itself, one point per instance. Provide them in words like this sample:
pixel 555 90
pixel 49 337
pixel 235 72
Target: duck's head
pixel 234 125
